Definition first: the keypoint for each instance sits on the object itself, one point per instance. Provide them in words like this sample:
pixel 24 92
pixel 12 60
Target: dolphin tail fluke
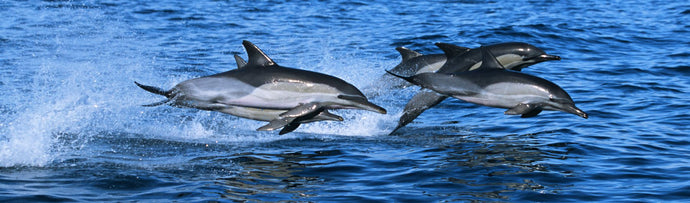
pixel 409 79
pixel 152 89
pixel 417 105
pixel 155 90
pixel 157 103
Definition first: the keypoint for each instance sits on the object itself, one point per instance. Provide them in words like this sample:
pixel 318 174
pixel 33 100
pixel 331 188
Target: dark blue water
pixel 72 128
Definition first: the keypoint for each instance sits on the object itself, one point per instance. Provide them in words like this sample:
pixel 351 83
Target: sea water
pixel 72 127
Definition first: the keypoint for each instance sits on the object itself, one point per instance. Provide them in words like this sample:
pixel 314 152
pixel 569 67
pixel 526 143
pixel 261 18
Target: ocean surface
pixel 72 127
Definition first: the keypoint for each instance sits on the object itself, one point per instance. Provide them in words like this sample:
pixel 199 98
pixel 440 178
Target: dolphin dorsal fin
pixel 452 50
pixel 407 54
pixel 256 57
pixel 489 61
pixel 241 63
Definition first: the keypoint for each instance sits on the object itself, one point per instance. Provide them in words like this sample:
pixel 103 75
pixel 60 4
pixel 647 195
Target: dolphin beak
pixel 544 57
pixel 361 102
pixel 578 112
pixel 373 107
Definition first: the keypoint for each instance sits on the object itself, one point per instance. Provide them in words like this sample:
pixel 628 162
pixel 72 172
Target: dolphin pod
pixel 492 85
pixel 262 90
pixel 511 56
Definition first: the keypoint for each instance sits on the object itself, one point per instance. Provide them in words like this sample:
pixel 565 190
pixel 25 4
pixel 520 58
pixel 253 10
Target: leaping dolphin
pixel 511 56
pixel 260 89
pixel 491 85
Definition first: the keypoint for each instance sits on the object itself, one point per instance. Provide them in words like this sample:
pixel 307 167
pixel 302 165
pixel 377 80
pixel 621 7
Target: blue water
pixel 72 128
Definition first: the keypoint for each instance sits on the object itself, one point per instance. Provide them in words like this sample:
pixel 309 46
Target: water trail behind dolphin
pixel 77 86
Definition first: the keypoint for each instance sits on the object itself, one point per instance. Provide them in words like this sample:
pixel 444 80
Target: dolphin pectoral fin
pixel 289 128
pixel 363 103
pixel 527 110
pixel 157 103
pixel 417 105
pixel 532 113
pixel 291 118
pixel 323 116
pixel 302 110
pixel 275 124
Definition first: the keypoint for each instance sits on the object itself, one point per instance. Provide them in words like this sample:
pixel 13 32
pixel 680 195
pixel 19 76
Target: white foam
pixel 67 88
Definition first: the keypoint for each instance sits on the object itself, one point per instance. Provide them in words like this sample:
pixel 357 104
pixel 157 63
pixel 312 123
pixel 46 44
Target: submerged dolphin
pixel 493 86
pixel 511 56
pixel 415 63
pixel 412 63
pixel 262 90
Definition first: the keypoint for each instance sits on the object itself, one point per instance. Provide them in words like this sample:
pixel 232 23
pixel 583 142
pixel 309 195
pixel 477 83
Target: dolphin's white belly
pixel 507 95
pixel 287 95
pixel 252 113
pixel 209 92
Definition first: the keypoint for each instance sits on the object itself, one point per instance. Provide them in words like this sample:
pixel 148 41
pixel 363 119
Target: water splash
pixel 76 84
pixel 75 72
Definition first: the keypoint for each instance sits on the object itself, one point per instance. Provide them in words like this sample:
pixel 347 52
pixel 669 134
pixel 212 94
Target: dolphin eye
pixel 560 101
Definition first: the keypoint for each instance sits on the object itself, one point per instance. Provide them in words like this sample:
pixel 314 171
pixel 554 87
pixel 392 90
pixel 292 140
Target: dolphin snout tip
pixel 547 57
pixel 378 109
pixel 581 113
pixel 383 111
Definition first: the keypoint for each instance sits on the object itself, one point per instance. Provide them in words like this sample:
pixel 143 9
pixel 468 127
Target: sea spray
pixel 77 69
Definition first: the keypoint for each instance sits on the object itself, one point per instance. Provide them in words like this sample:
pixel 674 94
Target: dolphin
pixel 491 85
pixel 415 63
pixel 260 89
pixel 511 56
pixel 412 63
